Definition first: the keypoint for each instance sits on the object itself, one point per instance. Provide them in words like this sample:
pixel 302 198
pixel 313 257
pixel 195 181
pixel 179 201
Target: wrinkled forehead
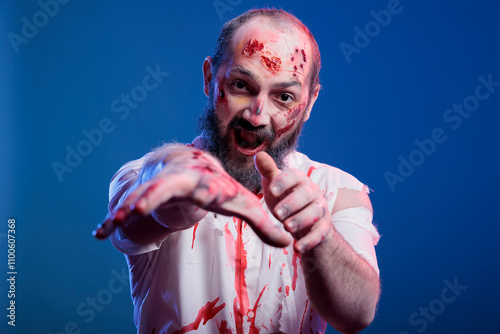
pixel 280 39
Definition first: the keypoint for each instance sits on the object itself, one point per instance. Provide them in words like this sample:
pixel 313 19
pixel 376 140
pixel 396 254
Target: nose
pixel 257 113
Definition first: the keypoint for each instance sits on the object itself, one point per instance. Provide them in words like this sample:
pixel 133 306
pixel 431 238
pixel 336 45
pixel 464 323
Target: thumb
pixel 266 166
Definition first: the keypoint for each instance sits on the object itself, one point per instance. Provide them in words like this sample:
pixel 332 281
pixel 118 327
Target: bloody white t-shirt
pixel 219 277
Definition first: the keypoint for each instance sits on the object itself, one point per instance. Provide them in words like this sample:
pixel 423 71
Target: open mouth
pixel 247 142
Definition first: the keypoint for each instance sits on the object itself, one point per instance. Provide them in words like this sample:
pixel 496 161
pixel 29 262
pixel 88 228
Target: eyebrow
pixel 244 71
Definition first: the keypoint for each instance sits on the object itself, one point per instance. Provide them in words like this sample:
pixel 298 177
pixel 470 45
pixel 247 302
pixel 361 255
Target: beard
pixel 237 165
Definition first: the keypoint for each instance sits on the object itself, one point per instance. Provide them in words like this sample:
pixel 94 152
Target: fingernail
pixel 292 226
pixel 276 189
pixel 97 233
pixel 281 212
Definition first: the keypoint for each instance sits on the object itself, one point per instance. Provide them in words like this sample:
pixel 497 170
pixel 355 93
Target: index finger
pixel 247 207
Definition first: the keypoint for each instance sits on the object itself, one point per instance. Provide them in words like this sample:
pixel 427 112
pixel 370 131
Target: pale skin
pixel 184 183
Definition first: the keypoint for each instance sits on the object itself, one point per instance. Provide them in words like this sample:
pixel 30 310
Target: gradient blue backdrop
pixel 440 224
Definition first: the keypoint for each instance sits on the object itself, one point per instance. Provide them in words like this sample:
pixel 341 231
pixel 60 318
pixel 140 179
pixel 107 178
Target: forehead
pixel 261 34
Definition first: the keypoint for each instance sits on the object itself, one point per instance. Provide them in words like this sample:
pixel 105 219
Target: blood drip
pixel 304 315
pixel 194 234
pixel 207 312
pixel 223 329
pixel 253 329
pixel 295 273
pixel 241 302
pixel 309 172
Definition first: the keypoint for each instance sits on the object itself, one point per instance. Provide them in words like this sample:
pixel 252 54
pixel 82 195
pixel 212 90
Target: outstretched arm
pixel 176 187
pixel 343 287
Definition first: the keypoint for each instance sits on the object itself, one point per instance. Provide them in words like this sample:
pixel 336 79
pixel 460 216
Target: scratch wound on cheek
pixel 294 112
pixel 272 64
pixel 285 129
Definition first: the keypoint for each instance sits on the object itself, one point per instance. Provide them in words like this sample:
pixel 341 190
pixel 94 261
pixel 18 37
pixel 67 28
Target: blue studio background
pixel 385 114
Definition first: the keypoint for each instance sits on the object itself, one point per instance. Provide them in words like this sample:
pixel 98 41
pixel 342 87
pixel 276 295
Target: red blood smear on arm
pixel 206 313
pixel 253 46
pixel 196 154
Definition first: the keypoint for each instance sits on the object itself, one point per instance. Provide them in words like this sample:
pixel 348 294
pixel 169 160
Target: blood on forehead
pixel 270 62
pixel 253 46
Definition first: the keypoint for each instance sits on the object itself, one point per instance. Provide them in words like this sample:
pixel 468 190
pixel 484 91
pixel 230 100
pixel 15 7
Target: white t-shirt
pixel 219 277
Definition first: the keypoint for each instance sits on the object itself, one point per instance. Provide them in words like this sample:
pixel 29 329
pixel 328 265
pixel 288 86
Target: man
pixel 254 237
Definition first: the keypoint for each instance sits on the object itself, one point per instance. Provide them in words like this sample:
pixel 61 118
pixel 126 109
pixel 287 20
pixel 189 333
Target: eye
pixel 283 97
pixel 240 84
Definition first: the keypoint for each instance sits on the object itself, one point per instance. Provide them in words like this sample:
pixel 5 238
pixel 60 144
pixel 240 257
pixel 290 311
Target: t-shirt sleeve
pixel 121 182
pixel 354 224
pixel 356 227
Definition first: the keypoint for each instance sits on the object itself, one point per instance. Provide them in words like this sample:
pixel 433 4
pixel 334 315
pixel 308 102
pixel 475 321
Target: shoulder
pixel 347 191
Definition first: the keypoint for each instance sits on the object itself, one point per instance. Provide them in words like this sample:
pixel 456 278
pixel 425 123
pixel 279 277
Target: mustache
pixel 261 132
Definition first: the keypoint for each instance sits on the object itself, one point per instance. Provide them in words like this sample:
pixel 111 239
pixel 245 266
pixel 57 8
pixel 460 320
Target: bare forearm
pixel 156 225
pixel 343 288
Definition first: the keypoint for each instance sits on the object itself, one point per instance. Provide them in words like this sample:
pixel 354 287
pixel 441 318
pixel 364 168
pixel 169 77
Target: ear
pixel 313 100
pixel 207 75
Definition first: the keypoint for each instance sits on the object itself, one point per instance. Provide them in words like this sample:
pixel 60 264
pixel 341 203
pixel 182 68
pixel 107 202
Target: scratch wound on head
pixel 253 46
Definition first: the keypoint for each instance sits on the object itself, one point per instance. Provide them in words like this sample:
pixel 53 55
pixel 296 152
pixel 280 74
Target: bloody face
pixel 258 99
